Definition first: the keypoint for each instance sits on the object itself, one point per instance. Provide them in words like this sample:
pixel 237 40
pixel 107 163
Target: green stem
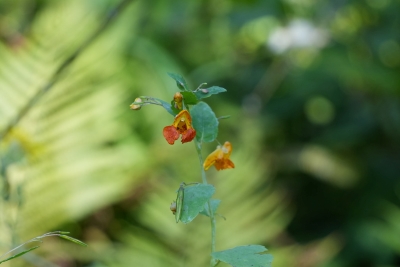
pixel 213 262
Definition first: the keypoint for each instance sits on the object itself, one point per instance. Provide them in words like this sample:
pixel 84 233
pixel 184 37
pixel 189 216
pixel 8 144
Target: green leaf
pixel 207 92
pixel 194 198
pixel 171 110
pixel 179 202
pixel 214 206
pixel 244 256
pixel 204 122
pixel 19 254
pixel 76 241
pixel 189 98
pixel 180 82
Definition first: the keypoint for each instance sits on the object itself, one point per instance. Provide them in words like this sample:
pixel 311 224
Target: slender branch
pixel 112 15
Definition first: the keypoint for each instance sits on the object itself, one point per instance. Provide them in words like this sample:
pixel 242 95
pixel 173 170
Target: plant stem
pixel 213 262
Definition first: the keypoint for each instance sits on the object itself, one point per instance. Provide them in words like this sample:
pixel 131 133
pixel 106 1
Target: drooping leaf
pixel 180 82
pixel 194 198
pixel 205 122
pixel 19 254
pixel 214 206
pixel 207 92
pixel 190 98
pixel 76 241
pixel 245 256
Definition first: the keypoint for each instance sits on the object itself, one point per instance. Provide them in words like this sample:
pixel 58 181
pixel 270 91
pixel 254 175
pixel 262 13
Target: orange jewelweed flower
pixel 220 158
pixel 182 126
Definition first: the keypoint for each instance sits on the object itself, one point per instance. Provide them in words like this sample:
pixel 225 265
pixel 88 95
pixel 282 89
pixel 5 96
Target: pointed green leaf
pixel 214 206
pixel 207 92
pixel 76 241
pixel 244 256
pixel 194 198
pixel 204 122
pixel 19 254
pixel 180 82
pixel 189 98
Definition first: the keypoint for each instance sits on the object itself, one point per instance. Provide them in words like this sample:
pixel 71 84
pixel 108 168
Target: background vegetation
pixel 313 94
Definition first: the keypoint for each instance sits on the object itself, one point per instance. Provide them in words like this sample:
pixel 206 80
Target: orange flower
pixel 182 126
pixel 220 158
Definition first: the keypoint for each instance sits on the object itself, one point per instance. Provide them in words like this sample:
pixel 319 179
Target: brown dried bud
pixel 173 207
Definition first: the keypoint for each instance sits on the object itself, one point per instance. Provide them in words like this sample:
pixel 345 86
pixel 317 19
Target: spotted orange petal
pixel 171 134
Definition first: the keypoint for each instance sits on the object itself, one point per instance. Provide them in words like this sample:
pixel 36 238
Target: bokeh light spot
pixel 319 110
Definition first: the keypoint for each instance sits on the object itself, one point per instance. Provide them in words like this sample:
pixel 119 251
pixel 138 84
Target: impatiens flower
pixel 220 158
pixel 182 126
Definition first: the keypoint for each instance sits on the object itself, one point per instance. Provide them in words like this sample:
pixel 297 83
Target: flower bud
pixel 178 100
pixel 134 105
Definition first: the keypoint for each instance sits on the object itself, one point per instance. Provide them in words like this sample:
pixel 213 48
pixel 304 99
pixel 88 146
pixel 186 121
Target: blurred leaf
pixel 245 256
pixel 19 254
pixel 213 90
pixel 73 240
pixel 194 198
pixel 204 122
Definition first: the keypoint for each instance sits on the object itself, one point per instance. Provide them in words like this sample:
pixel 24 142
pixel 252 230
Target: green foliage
pixel 207 92
pixel 205 122
pixel 82 147
pixel 214 206
pixel 61 234
pixel 180 82
pixel 245 256
pixel 190 98
pixel 194 199
pixel 19 254
pixel 74 240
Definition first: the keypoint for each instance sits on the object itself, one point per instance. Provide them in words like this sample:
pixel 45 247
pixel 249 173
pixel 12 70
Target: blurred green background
pixel 313 94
